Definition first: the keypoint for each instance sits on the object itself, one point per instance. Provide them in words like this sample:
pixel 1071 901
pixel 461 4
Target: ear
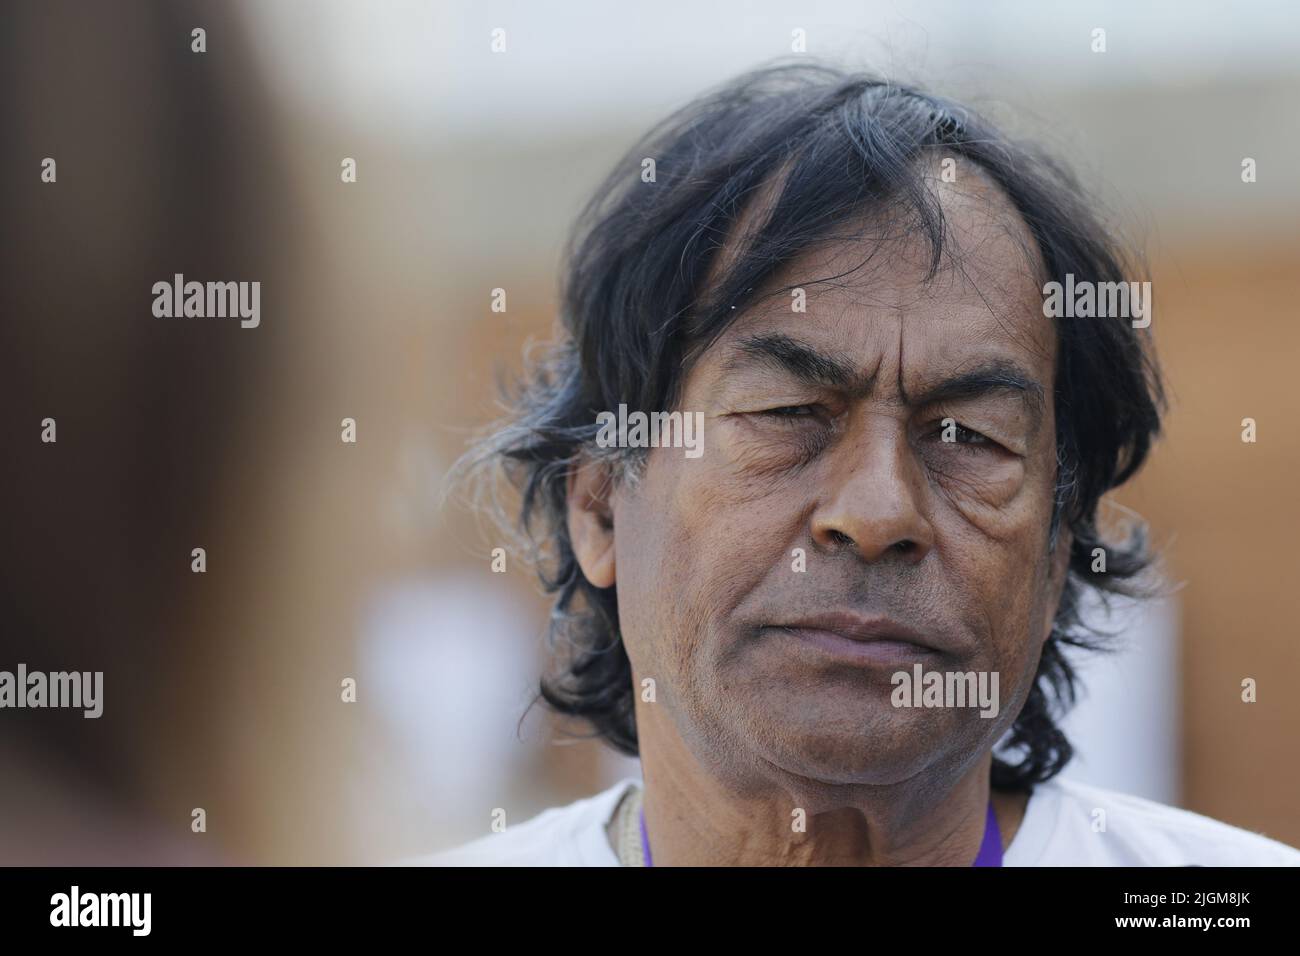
pixel 591 521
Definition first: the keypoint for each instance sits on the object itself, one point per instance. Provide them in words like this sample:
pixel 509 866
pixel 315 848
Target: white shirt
pixel 1058 829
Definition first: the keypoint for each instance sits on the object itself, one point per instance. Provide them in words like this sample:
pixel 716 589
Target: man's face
pixel 824 437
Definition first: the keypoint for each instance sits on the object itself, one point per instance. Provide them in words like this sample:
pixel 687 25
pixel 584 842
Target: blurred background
pixel 329 560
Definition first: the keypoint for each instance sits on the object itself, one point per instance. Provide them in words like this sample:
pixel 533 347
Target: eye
pixel 790 411
pixel 961 435
pixel 968 436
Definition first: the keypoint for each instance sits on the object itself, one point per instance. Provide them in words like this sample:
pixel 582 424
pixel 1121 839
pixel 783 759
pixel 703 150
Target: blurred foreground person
pixel 124 432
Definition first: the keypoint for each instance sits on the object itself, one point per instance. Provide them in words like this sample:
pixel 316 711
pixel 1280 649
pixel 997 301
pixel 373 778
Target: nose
pixel 877 499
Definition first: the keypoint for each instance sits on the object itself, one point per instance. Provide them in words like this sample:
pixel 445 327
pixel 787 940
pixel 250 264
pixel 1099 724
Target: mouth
pixel 863 640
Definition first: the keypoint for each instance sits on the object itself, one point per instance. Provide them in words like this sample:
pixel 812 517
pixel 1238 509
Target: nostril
pixel 839 537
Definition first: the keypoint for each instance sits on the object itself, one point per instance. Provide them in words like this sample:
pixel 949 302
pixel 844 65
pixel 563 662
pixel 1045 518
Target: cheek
pixel 691 542
pixel 992 501
pixel 997 553
pixel 765 458
pixel 736 530
pixel 1001 567
pixel 1006 502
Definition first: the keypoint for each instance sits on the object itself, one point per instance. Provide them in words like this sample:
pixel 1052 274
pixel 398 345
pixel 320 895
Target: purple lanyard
pixel 990 853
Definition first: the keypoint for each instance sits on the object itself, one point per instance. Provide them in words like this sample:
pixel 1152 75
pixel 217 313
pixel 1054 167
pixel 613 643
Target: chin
pixel 847 753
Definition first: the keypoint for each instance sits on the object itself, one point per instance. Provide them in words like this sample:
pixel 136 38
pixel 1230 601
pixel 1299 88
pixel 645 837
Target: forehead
pixel 869 288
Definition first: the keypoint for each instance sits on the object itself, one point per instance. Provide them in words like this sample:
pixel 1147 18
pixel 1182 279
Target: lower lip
pixel 881 653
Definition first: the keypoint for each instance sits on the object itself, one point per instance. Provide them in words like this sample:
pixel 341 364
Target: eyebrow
pixel 802 361
pixel 806 363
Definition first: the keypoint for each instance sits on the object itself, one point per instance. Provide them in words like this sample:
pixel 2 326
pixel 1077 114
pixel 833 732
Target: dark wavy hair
pixel 645 291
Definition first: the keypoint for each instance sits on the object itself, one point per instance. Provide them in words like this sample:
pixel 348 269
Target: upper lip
pixel 866 628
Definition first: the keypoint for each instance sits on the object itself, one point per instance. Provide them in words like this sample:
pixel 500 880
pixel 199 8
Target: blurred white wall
pixel 1125 728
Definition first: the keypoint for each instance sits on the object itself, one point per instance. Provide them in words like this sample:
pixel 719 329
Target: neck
pixel 696 819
